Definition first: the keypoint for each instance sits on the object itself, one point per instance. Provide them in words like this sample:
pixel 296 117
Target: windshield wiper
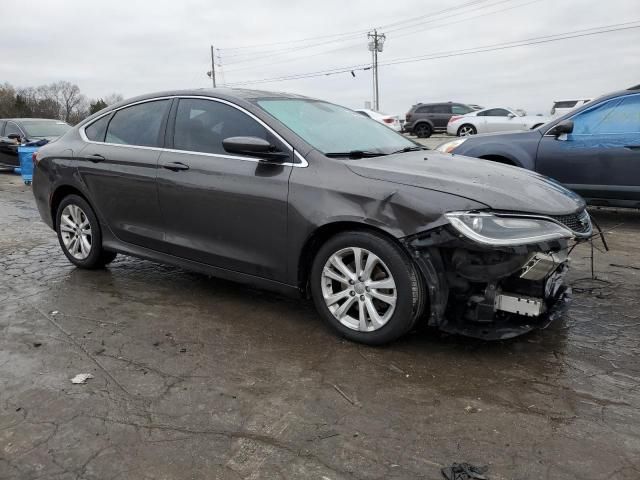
pixel 355 154
pixel 409 149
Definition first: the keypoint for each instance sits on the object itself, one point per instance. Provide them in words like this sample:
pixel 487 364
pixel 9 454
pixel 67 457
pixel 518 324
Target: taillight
pixel 35 158
pixel 407 117
pixel 387 120
pixel 454 118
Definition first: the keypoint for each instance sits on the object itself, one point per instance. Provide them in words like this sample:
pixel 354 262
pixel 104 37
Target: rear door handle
pixel 96 157
pixel 175 166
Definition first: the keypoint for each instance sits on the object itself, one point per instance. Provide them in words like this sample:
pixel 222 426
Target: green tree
pixel 97 105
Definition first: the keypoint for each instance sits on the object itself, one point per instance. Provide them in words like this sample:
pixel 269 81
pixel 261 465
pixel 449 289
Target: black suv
pixel 425 118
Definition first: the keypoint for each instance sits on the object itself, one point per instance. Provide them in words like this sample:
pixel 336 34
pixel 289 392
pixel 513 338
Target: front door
pixel 601 157
pixel 119 167
pixel 225 210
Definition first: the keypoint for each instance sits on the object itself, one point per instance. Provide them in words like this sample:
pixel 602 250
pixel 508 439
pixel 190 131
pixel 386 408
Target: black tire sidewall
pixel 95 258
pixel 427 130
pixel 404 274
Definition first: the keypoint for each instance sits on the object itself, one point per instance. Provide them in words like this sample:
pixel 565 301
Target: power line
pixel 336 37
pixel 482 49
pixel 344 47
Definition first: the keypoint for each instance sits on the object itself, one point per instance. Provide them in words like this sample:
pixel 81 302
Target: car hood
pixel 500 187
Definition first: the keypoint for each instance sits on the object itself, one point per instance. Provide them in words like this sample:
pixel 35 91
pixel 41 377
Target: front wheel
pixel 79 234
pixel 366 287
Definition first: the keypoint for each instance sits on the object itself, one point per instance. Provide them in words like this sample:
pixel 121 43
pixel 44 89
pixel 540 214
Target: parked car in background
pixel 560 107
pixel 593 150
pixel 426 118
pixel 493 120
pixel 391 121
pixel 16 131
pixel 303 196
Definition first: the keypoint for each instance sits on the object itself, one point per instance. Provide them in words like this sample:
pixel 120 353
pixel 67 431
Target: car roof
pixel 223 93
pixel 27 120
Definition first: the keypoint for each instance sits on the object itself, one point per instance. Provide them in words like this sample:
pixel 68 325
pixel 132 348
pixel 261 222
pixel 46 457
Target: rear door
pixel 601 157
pixel 119 168
pixel 441 115
pixel 225 210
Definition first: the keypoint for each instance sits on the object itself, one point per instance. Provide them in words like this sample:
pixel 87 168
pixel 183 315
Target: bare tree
pixel 70 99
pixel 7 100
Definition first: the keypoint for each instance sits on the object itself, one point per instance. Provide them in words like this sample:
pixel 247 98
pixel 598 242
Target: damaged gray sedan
pixel 305 197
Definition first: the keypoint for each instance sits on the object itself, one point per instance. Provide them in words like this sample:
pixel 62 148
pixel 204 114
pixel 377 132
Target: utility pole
pixel 376 45
pixel 212 72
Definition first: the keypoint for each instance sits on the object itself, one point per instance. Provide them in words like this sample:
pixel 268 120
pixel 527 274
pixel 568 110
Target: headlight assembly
pixel 504 230
pixel 448 147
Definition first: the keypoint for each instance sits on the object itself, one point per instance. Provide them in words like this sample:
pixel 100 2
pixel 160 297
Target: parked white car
pixel 493 120
pixel 560 107
pixel 391 121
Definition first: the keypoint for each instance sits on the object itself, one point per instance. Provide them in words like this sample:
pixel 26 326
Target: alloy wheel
pixel 358 289
pixel 75 230
pixel 467 130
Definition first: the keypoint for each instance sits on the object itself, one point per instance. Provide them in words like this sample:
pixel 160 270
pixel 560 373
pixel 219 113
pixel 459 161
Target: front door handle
pixel 96 157
pixel 175 166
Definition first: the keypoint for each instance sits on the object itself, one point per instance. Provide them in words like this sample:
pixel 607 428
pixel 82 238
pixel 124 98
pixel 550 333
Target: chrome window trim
pixel 23 134
pixel 302 161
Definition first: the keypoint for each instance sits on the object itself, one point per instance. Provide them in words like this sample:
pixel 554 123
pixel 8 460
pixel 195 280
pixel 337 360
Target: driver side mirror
pixel 254 147
pixel 511 115
pixel 564 127
pixel 14 136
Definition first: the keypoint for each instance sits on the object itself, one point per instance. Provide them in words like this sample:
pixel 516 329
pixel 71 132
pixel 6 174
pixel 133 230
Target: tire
pixel 86 251
pixel 364 316
pixel 423 130
pixel 466 130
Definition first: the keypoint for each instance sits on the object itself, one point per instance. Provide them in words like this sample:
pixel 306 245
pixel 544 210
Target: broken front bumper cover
pixel 491 292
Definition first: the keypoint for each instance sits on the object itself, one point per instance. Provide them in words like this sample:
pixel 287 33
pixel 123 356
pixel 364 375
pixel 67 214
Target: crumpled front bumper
pixel 491 293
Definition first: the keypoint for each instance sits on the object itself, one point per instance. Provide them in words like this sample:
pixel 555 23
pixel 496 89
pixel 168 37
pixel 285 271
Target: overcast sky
pixel 133 47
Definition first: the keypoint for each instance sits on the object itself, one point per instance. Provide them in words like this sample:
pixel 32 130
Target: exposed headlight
pixel 448 147
pixel 499 230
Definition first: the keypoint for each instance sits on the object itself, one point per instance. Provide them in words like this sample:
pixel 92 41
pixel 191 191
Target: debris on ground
pixel 464 471
pixel 81 378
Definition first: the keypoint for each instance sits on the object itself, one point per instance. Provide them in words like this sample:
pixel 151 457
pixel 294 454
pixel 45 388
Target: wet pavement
pixel 200 378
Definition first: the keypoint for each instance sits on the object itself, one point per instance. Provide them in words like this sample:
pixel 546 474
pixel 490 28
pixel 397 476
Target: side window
pixel 138 125
pixel 497 112
pixel 425 110
pixel 441 109
pixel 460 110
pixel 12 129
pixel 2 128
pixel 202 125
pixel 565 104
pixel 97 130
pixel 618 116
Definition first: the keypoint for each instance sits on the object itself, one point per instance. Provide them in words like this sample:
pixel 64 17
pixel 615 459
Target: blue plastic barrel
pixel 25 155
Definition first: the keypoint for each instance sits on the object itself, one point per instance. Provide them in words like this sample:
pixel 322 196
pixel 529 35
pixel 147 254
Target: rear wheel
pixel 423 130
pixel 466 130
pixel 79 234
pixel 366 288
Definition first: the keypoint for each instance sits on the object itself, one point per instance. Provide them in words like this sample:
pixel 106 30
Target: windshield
pixel 334 129
pixel 45 129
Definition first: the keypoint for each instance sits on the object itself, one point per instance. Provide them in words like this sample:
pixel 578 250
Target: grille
pixel 578 222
